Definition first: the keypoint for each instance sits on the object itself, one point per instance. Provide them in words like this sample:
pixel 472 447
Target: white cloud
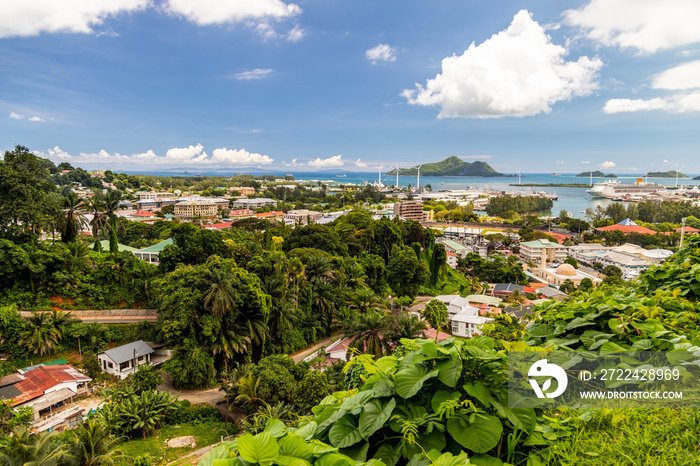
pixel 293 164
pixel 208 12
pixel 335 161
pixel 586 161
pixel 684 78
pixel 257 73
pixel 360 163
pixel 607 164
pixel 381 53
pixel 645 25
pixel 20 116
pixel 296 34
pixel 560 162
pixel 517 72
pixel 241 157
pixel 187 154
pixel 32 17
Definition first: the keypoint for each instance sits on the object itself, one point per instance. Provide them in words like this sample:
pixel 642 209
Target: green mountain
pixel 668 174
pixel 596 173
pixel 451 166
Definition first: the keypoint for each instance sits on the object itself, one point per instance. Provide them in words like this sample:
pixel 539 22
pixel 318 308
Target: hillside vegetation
pixel 451 166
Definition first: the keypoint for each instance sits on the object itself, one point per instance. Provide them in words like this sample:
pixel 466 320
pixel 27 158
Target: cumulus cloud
pixel 607 164
pixel 644 25
pixel 517 72
pixel 31 17
pixel 240 157
pixel 586 161
pixel 293 164
pixel 209 12
pixel 20 116
pixel 335 161
pixel 360 163
pixel 684 79
pixel 381 53
pixel 173 158
pixel 257 73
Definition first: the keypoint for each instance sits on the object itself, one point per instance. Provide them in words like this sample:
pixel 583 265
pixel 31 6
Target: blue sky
pixel 243 85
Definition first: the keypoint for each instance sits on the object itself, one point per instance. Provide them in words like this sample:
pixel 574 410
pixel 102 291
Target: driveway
pixel 211 396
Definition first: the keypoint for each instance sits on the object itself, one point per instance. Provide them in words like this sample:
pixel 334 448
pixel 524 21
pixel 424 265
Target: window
pixel 455 329
pixel 124 365
pixel 111 366
pixel 140 358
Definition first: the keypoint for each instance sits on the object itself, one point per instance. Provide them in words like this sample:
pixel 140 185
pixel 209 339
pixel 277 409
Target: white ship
pixel 615 189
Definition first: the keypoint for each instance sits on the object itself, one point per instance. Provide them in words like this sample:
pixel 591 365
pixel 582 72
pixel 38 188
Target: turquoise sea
pixel 574 200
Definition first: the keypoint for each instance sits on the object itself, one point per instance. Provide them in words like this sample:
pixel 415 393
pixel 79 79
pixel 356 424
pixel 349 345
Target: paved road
pixel 211 396
pixel 119 320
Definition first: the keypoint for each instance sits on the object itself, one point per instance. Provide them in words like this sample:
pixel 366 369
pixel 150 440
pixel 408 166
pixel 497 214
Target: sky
pixel 269 85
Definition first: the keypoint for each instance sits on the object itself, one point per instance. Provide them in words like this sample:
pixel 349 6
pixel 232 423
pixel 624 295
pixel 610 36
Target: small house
pixel 124 360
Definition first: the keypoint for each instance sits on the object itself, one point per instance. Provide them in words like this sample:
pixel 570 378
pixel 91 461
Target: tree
pixel 72 220
pixel 145 379
pixel 567 286
pixel 192 366
pixel 23 448
pixel 435 313
pixel 366 332
pixel 571 261
pixel 111 204
pixel 406 273
pixel 94 445
pixel 402 325
pixel 24 187
pixel 586 285
pixel 611 271
pixel 45 331
pixel 96 207
pixel 312 389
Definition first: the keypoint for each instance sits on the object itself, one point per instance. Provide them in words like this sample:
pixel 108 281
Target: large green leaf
pixel 441 396
pixel 294 446
pixel 411 379
pixel 344 432
pixel 334 459
pixel 388 454
pixel 450 370
pixel 447 459
pixel 275 427
pixel 307 430
pixel 374 416
pixel 478 432
pixel 258 449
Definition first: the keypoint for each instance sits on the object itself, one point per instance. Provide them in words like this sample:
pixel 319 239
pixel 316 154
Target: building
pixel 151 253
pixel 44 388
pixel 454 247
pixel 143 195
pixel 452 259
pixel 556 276
pixel 241 213
pixel 302 217
pixel 542 252
pixel 124 360
pixel 456 304
pixel 409 210
pixel 631 259
pixel 466 324
pixel 155 204
pixel 244 190
pixel 190 210
pixel 253 204
pixel 626 226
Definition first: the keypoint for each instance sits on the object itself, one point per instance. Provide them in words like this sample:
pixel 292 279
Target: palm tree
pixel 248 386
pixel 40 337
pixel 367 334
pixel 365 300
pixel 319 269
pixel 111 205
pixel 222 294
pixel 72 220
pixel 96 207
pixel 94 445
pixel 228 342
pixel 23 448
pixel 402 325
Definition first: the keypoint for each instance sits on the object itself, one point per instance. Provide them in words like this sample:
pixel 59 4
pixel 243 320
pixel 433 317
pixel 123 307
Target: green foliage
pixel 519 204
pixel 11 419
pixel 91 366
pixel 497 268
pixel 504 327
pixel 312 389
pixel 406 272
pixel 11 327
pixel 132 415
pixel 191 366
pixel 145 379
pixel 680 272
pixel 435 313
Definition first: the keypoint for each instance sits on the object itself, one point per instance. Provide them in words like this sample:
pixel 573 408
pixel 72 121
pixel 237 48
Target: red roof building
pixel 143 214
pixel 629 228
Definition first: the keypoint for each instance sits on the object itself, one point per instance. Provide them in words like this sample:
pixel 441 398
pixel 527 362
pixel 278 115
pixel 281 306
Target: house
pixel 124 360
pixel 302 217
pixel 466 324
pixel 626 226
pixel 43 388
pixel 456 304
pixel 452 259
pixel 151 253
pixel 454 247
pixel 519 312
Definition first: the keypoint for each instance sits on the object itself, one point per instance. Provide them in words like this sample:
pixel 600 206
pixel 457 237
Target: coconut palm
pixel 367 333
pixel 402 325
pixel 94 445
pixel 72 220
pixel 40 338
pixel 222 294
pixel 23 448
pixel 365 300
pixel 111 205
pixel 96 207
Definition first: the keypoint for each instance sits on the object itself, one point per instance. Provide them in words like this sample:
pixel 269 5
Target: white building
pixel 456 304
pixel 466 325
pixel 542 251
pixel 124 360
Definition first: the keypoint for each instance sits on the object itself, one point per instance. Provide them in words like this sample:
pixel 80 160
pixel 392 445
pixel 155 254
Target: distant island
pixel 668 174
pixel 697 177
pixel 451 166
pixel 597 174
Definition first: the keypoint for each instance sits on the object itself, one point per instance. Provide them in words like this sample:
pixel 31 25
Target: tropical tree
pixel 23 448
pixel 435 313
pixel 403 325
pixel 221 294
pixel 111 205
pixel 364 300
pixel 96 208
pixel 40 337
pixel 94 445
pixel 72 220
pixel 367 334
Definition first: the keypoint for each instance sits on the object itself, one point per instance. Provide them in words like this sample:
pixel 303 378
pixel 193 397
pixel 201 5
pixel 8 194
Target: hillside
pixel 451 166
pixel 668 174
pixel 597 173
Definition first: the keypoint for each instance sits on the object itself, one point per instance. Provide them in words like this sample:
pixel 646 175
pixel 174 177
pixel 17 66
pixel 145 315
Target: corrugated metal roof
pixel 129 351
pixel 158 247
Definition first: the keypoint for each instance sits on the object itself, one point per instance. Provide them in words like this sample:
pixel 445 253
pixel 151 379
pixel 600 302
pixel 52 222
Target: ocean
pixel 574 200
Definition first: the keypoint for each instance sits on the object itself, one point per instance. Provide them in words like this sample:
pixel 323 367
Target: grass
pixel 156 444
pixel 630 437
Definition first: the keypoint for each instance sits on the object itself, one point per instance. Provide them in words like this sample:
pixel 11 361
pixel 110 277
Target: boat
pixel 614 189
pixel 341 176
